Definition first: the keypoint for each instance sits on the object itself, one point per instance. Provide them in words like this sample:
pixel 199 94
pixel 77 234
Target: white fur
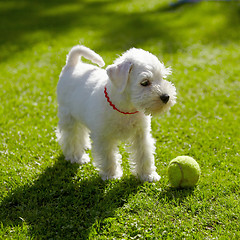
pixel 84 110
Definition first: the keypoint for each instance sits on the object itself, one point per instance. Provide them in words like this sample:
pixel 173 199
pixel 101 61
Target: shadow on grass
pixel 55 206
pixel 25 23
pixel 176 195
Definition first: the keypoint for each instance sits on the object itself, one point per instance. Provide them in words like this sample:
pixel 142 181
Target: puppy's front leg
pixel 106 157
pixel 142 149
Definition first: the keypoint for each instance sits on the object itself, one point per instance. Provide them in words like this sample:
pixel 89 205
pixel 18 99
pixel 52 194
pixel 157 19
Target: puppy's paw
pixel 108 176
pixel 84 159
pixel 80 160
pixel 88 145
pixel 153 177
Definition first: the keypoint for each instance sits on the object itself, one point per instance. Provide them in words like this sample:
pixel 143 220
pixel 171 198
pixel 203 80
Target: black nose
pixel 164 98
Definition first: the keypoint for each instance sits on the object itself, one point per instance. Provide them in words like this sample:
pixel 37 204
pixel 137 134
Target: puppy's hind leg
pixel 73 138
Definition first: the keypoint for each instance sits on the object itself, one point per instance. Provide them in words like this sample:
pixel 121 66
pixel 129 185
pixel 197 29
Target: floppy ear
pixel 118 74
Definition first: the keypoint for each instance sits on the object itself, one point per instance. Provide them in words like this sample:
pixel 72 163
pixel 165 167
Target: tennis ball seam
pixel 182 175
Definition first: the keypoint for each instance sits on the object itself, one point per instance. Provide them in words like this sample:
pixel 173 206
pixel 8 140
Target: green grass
pixel 44 197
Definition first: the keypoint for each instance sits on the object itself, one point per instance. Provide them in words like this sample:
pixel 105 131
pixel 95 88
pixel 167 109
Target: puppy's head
pixel 141 75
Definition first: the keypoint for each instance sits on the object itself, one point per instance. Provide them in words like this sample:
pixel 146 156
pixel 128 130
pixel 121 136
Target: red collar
pixel 112 105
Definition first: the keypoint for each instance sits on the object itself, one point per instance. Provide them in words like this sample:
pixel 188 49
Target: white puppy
pixel 110 106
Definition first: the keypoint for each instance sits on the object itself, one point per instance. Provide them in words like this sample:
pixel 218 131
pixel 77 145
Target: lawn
pixel 45 197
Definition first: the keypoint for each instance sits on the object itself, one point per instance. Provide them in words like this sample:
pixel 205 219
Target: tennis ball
pixel 183 172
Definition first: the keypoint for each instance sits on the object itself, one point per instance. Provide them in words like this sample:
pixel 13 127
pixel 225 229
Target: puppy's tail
pixel 78 51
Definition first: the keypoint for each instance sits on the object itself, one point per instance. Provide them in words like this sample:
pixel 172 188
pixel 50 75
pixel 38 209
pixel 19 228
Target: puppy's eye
pixel 145 83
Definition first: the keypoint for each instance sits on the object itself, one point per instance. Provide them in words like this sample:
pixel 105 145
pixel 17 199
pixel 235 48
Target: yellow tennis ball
pixel 183 172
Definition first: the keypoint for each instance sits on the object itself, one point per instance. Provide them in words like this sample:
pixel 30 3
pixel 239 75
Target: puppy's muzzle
pixel 164 98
